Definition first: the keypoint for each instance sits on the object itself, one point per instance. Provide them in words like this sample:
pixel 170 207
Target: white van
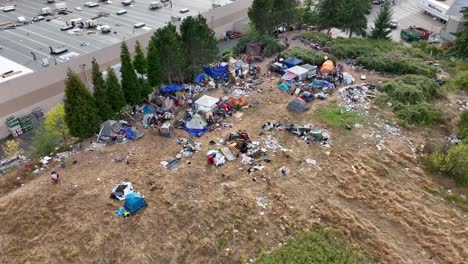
pixel 139 25
pixel 121 12
pixel 184 10
pixel 9 8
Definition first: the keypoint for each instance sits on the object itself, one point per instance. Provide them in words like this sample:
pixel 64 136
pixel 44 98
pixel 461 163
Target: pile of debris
pixel 134 202
pixel 189 147
pixel 310 133
pixel 357 97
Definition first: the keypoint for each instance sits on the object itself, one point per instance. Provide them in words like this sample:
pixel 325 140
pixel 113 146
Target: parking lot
pixel 21 43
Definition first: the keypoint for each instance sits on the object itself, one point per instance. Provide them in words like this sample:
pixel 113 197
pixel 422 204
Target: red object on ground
pixel 210 160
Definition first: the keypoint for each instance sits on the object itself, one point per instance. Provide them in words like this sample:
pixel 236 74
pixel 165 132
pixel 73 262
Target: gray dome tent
pixel 110 127
pixel 297 105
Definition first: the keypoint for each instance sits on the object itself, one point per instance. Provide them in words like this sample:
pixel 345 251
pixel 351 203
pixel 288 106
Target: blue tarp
pixel 134 203
pixel 284 87
pixel 148 109
pixel 218 72
pixel 195 132
pixel 172 88
pixel 320 83
pixel 199 78
pixel 291 62
pixel 129 133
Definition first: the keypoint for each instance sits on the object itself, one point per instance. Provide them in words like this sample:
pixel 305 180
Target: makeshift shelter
pixel 292 61
pixel 172 88
pixel 321 83
pixel 284 87
pixel 220 72
pixel 206 103
pixel 134 203
pixel 288 76
pixel 237 67
pixel 253 49
pixel 300 72
pixel 168 104
pixel 327 67
pixel 148 109
pixel 311 70
pixel 121 191
pixel 196 126
pixel 109 128
pixel 347 78
pixel 199 78
pixel 297 105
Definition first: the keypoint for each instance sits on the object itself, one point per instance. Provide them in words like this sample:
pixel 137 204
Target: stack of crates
pixel 14 126
pixel 38 113
pixel 25 123
pixel 32 117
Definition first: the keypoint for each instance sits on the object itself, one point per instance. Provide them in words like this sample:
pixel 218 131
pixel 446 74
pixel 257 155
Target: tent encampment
pixel 109 128
pixel 297 105
pixel 199 78
pixel 291 62
pixel 299 71
pixel 284 87
pixel 172 88
pixel 312 70
pixel 327 67
pixel 288 76
pixel 196 126
pixel 134 203
pixel 218 72
pixel 148 109
pixel 206 103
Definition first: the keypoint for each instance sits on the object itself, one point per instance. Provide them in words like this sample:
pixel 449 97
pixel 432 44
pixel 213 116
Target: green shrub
pixel 309 56
pixel 316 246
pixel 355 47
pixel 388 62
pixel 462 130
pixel 419 114
pixel 458 82
pixel 270 45
pixel 43 142
pixel 453 163
pixel 318 37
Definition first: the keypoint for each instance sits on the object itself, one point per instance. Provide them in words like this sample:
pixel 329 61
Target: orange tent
pixel 237 102
pixel 327 67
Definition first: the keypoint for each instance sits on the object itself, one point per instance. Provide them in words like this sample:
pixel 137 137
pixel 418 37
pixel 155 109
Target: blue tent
pixel 134 203
pixel 284 87
pixel 129 133
pixel 172 88
pixel 292 61
pixel 200 77
pixel 218 72
pixel 148 109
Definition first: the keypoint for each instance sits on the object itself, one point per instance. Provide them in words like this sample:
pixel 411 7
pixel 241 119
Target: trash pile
pixel 357 97
pixel 134 202
pixel 462 105
pixel 189 147
pixel 380 132
pixel 310 133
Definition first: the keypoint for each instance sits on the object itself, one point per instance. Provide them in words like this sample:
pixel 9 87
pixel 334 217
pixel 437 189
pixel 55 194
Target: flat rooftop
pixel 19 44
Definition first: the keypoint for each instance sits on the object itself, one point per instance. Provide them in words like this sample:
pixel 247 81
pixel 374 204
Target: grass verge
pixel 337 116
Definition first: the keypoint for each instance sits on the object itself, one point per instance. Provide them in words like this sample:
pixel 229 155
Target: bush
pixel 309 56
pixel 319 37
pixel 270 45
pixel 391 63
pixel 418 114
pixel 458 82
pixel 43 142
pixel 316 246
pixel 453 163
pixel 462 130
pixel 355 47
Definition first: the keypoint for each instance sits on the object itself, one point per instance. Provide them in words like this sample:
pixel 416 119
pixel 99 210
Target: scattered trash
pixel 262 202
pixel 120 191
pixel 284 171
pixel 311 161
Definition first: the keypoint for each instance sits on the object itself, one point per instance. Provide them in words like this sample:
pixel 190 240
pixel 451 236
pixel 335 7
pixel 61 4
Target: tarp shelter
pixel 253 49
pixel 197 126
pixel 320 83
pixel 131 134
pixel 168 104
pixel 327 67
pixel 218 72
pixel 288 76
pixel 172 88
pixel 199 78
pixel 292 61
pixel 299 71
pixel 297 105
pixel 109 128
pixel 134 203
pixel 348 78
pixel 284 87
pixel 206 103
pixel 148 109
pixel 312 70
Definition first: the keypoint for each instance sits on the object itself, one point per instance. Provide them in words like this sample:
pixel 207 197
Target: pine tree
pixel 100 92
pixel 328 13
pixel 353 16
pixel 139 61
pixel 260 15
pixel 154 65
pixel 146 88
pixel 382 27
pixel 309 15
pixel 199 42
pixel 172 54
pixel 115 94
pixel 130 84
pixel 81 113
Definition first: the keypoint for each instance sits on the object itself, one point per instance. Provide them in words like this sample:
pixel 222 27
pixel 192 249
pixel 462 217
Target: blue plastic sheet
pixel 172 88
pixel 129 133
pixel 218 72
pixel 148 109
pixel 291 62
pixel 195 132
pixel 199 78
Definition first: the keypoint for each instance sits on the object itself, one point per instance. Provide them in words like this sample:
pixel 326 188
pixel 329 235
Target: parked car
pixel 378 2
pixel 393 24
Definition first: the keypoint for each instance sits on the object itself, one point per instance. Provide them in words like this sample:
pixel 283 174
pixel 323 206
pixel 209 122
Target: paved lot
pixel 17 44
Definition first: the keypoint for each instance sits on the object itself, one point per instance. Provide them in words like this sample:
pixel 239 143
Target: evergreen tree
pixel 139 61
pixel 460 48
pixel 382 27
pixel 328 13
pixel 353 16
pixel 130 84
pixel 100 92
pixel 172 55
pixel 199 42
pixel 260 15
pixel 81 113
pixel 284 13
pixel 146 88
pixel 309 15
pixel 115 94
pixel 154 65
